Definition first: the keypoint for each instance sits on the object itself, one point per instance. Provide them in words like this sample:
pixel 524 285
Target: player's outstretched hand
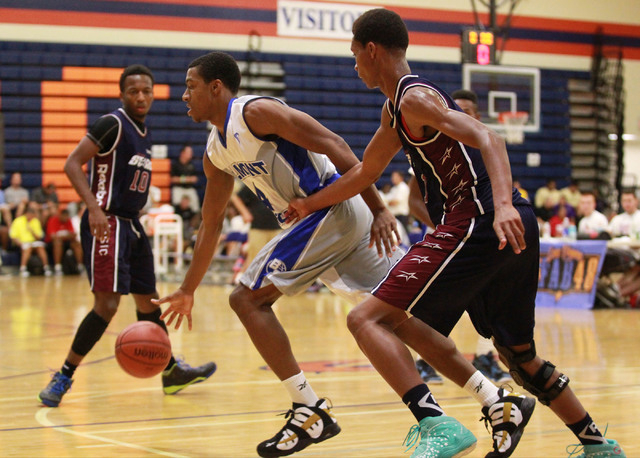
pixel 629 283
pixel 180 305
pixel 509 228
pixel 297 210
pixel 384 232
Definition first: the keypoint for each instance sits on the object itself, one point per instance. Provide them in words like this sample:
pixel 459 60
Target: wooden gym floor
pixel 110 414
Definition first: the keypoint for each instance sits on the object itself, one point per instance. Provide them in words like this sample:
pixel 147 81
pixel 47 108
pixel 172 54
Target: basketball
pixel 143 349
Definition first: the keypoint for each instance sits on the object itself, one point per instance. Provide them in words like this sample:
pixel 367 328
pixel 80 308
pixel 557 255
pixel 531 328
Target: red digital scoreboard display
pixel 478 47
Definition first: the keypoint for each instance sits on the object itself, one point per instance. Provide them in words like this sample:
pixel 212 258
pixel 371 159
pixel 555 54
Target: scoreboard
pixel 478 47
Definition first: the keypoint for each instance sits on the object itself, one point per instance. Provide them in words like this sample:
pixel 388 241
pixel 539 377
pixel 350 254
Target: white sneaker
pixel 47 271
pixel 57 269
pixel 24 273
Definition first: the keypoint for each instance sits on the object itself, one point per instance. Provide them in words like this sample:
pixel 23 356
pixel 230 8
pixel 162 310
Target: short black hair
pixel 465 94
pixel 135 69
pixel 219 66
pixel 383 27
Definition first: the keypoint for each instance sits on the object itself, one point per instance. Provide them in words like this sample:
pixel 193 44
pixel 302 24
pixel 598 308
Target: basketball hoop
pixel 513 122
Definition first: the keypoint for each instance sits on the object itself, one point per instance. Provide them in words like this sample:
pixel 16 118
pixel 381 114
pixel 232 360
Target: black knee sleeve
pixel 89 332
pixel 537 383
pixel 153 316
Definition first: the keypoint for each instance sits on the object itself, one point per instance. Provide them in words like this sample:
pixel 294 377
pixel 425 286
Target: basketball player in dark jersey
pixel 482 257
pixel 117 253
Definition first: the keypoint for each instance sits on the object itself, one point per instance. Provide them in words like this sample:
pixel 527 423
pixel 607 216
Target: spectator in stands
pixel 60 235
pixel 592 224
pixel 16 197
pixel 184 179
pixel 155 209
pixel 188 216
pixel 47 199
pixel 572 193
pixel 26 232
pixel 546 198
pixel 518 186
pixel 628 222
pixel 560 221
pixel 398 199
pixel 569 209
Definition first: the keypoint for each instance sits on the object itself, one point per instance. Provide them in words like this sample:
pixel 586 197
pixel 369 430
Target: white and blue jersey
pixel 330 244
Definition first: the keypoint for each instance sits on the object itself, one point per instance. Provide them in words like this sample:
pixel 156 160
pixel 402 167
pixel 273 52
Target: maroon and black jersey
pixel 120 174
pixel 452 176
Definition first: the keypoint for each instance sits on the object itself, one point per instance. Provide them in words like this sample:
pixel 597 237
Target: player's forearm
pixel 351 183
pixel 79 182
pixel 203 252
pixel 496 161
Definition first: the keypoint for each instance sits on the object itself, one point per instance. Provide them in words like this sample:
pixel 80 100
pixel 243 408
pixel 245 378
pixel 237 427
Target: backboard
pixel 500 88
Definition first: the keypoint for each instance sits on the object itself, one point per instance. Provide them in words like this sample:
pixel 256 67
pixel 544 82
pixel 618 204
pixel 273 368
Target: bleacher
pixel 50 93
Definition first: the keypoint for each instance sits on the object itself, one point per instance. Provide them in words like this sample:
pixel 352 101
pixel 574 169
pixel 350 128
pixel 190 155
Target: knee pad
pixel 536 384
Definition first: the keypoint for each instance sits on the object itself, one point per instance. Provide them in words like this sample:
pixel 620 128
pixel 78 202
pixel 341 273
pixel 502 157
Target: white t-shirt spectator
pixel 593 224
pixel 625 224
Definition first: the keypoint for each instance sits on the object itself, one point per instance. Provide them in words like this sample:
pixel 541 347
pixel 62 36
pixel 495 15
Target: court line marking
pixel 42 418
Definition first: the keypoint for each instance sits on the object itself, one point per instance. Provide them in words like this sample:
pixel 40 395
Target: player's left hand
pixel 508 226
pixel 384 232
pixel 180 305
pixel 297 210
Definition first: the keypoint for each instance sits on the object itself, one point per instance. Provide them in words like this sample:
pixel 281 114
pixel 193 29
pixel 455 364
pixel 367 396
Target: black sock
pixel 155 317
pixel 587 432
pixel 68 369
pixel 421 402
pixel 88 333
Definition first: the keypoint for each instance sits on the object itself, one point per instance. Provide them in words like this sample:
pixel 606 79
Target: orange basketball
pixel 143 349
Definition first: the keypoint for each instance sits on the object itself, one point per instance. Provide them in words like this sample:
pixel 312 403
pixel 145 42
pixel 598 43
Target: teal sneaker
pixel 181 375
pixel 611 448
pixel 439 437
pixel 53 392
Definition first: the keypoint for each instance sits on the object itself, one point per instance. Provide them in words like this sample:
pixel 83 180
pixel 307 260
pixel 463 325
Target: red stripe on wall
pixel 133 21
pixel 248 4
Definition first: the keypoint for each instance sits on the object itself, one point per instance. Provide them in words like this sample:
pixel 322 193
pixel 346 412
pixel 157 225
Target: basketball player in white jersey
pixel 281 153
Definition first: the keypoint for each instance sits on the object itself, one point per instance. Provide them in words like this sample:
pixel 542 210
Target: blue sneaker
pixel 440 437
pixel 610 448
pixel 428 373
pixel 57 387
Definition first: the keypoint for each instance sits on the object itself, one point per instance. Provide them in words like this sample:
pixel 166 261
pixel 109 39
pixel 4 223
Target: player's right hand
pixel 180 305
pixel 99 224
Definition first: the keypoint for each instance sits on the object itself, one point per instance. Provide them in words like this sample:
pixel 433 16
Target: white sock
pixel 300 390
pixel 484 346
pixel 481 388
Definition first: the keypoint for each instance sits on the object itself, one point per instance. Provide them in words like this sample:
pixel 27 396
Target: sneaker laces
pixel 578 449
pixel 412 438
pixel 61 385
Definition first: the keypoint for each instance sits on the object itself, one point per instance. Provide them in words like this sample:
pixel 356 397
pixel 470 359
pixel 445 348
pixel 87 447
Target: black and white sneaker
pixel 306 425
pixel 508 416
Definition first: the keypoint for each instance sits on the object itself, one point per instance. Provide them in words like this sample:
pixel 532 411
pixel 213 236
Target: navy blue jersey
pixel 452 176
pixel 120 176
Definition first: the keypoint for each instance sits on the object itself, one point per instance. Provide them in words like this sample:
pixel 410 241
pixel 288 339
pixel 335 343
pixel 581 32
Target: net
pixel 513 122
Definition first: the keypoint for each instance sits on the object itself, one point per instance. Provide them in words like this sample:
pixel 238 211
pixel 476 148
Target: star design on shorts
pixel 460 186
pixel 431 245
pixel 420 259
pixel 408 275
pixel 457 202
pixel 442 235
pixel 454 171
pixel 446 155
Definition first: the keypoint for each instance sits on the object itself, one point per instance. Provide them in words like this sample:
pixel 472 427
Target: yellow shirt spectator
pixel 26 229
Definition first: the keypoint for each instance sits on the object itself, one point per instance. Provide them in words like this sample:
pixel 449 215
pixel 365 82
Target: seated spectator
pixel 518 186
pixel 184 178
pixel 47 198
pixel 26 232
pixel 155 209
pixel 560 222
pixel 61 235
pixel 628 222
pixel 545 199
pixel 236 234
pixel 592 224
pixel 188 216
pixel 572 194
pixel 570 209
pixel 16 197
